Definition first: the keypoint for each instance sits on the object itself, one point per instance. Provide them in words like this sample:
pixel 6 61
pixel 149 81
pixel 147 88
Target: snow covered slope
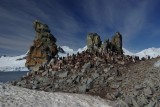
pixel 70 51
pixel 14 64
pixel 67 50
pixel 152 52
pixel 12 96
pixel 126 52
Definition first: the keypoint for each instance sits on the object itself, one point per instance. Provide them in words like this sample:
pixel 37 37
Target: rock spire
pixel 115 45
pixel 44 46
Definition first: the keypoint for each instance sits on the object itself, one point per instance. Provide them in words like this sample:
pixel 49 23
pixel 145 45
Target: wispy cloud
pixel 71 20
pixel 131 18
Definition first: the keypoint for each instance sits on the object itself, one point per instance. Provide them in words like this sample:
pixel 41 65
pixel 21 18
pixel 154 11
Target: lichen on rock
pixel 44 46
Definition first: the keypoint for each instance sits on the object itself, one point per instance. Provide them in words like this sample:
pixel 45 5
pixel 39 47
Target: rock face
pixel 43 48
pixel 93 41
pixel 117 42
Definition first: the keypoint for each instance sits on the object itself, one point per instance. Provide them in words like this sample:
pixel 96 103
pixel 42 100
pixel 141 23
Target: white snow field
pixel 70 51
pixel 152 52
pixel 12 64
pixel 12 96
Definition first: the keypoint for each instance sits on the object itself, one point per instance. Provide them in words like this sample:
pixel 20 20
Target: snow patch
pixel 82 49
pixel 12 96
pixel 16 63
pixel 126 52
pixel 70 51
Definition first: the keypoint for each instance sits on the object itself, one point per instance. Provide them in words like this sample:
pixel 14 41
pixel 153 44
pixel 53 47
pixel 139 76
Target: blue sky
pixel 70 20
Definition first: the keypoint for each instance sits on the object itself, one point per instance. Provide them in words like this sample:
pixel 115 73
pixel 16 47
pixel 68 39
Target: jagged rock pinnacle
pixel 44 46
pixel 94 43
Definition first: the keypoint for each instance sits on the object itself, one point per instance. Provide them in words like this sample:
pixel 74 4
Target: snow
pixel 126 52
pixel 12 96
pixel 82 49
pixel 13 63
pixel 70 51
pixel 67 50
pixel 152 52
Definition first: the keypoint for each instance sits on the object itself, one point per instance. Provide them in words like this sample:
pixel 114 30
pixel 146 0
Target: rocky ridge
pixel 102 70
pixel 132 84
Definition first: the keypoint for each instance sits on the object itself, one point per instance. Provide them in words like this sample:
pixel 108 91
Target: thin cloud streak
pixel 71 22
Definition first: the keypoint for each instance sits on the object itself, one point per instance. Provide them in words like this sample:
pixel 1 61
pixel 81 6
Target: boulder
pixel 44 46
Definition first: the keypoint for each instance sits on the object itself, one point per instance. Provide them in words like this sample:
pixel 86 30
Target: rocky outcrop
pixel 93 41
pixel 86 72
pixel 115 45
pixel 130 84
pixel 43 48
pixel 117 42
pixel 105 72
